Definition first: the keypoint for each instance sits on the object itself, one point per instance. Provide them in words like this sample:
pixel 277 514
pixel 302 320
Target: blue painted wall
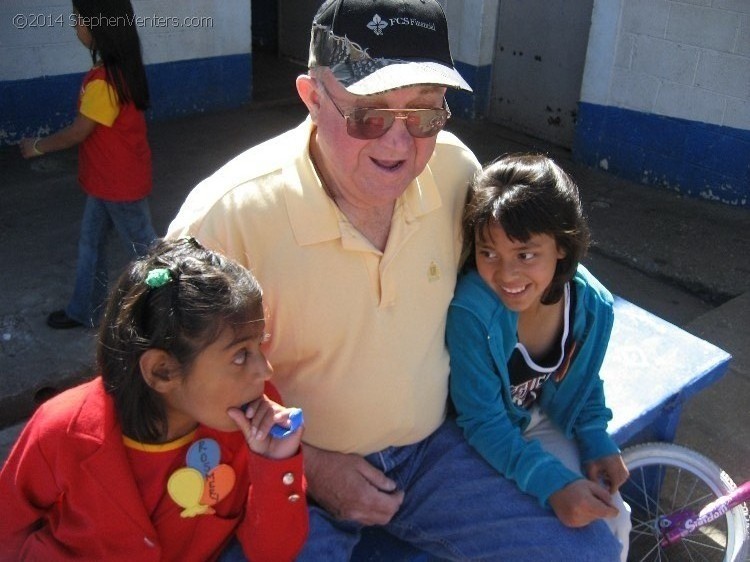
pixel 466 105
pixel 45 104
pixel 694 158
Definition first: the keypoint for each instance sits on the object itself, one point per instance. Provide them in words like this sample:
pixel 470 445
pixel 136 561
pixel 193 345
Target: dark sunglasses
pixel 367 123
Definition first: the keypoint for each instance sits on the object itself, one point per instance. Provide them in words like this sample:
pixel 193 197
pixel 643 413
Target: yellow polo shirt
pixel 357 335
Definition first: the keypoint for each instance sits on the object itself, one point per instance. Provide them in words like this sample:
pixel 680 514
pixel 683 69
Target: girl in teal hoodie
pixel 527 332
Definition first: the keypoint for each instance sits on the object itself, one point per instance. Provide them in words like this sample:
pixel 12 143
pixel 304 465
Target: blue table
pixel 651 368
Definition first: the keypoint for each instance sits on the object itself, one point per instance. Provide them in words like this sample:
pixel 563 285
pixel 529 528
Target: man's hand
pixel 581 502
pixel 350 488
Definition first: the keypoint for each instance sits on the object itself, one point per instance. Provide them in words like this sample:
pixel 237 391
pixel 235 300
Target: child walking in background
pixel 527 332
pixel 168 454
pixel 114 158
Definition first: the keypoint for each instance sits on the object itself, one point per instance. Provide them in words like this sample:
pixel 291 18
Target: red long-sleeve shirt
pixel 68 493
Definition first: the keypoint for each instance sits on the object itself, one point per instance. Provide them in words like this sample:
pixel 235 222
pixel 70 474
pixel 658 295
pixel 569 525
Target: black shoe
pixel 61 321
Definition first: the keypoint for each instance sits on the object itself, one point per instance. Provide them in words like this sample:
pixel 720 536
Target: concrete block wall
pixel 197 55
pixel 666 95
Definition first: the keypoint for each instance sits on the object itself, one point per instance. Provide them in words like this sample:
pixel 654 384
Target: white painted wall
pixel 37 39
pixel 688 59
pixel 471 28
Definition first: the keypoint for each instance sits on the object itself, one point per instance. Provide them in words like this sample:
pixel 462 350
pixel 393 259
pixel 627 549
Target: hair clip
pixel 158 277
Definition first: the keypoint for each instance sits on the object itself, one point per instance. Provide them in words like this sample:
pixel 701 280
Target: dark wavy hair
pixel 204 294
pixel 117 46
pixel 527 194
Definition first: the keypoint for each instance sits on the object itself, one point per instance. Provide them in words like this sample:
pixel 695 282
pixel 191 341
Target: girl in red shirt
pixel 114 158
pixel 171 453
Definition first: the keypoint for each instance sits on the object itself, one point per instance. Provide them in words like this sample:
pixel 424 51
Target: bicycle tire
pixel 675 468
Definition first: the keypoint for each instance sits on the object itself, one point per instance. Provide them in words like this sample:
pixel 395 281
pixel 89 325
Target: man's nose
pixel 398 134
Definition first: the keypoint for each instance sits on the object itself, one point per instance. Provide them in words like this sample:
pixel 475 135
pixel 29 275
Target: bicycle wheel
pixel 665 478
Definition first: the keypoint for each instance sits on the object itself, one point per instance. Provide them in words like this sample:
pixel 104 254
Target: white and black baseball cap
pixel 373 46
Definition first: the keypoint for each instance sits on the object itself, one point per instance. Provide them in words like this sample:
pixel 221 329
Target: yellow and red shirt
pixel 115 159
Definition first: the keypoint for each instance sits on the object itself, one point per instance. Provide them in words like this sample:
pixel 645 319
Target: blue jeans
pixel 232 553
pixel 456 507
pixel 132 220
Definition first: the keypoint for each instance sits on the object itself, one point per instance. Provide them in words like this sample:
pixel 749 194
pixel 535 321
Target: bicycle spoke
pixel 689 552
pixel 655 550
pixel 690 501
pixel 643 529
pixel 705 545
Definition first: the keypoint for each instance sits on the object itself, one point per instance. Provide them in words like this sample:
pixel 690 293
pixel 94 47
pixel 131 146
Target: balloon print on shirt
pixel 203 482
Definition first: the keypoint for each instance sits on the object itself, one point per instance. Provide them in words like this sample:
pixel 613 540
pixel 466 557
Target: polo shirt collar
pixel 314 217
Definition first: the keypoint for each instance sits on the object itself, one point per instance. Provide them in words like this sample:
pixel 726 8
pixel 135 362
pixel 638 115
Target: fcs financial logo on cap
pixel 377 25
pixel 374 46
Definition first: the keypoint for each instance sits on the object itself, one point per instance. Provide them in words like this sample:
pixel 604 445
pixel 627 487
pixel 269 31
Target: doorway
pixel 281 38
pixel 538 66
pixel 295 19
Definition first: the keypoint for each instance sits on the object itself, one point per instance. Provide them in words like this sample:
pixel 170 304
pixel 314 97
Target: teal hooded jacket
pixel 481 334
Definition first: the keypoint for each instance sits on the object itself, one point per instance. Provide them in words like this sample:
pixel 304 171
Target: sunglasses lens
pixel 368 124
pixel 426 122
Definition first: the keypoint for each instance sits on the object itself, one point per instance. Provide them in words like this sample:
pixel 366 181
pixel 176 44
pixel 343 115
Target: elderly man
pixel 351 222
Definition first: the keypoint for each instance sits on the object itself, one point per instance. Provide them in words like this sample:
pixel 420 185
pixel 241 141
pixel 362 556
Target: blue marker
pixel 295 419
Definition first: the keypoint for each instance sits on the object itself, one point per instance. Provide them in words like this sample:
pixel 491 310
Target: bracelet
pixel 35 148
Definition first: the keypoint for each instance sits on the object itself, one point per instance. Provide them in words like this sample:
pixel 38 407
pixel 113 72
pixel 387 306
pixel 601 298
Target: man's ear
pixel 308 92
pixel 159 369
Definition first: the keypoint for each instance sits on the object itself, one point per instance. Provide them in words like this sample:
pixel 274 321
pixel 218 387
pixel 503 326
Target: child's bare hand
pixel 581 502
pixel 256 423
pixel 611 471
pixel 27 148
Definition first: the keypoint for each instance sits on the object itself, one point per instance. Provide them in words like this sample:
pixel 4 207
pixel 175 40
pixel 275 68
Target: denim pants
pixel 457 507
pixel 132 220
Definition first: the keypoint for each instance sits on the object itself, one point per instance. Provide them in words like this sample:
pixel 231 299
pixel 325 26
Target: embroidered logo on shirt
pixel 203 482
pixel 433 272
